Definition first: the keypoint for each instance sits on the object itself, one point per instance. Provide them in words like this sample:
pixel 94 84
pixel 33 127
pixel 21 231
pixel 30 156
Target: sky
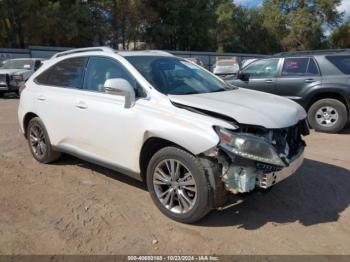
pixel 344 7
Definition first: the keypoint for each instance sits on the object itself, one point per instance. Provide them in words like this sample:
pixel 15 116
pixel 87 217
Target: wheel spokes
pixel 174 186
pixel 326 116
pixel 161 178
pixel 37 141
pixel 193 189
pixel 184 200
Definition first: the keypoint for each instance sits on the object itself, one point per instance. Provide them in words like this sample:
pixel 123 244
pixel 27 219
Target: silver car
pixel 14 72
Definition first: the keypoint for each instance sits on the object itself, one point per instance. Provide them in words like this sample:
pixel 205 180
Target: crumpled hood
pixel 13 71
pixel 247 107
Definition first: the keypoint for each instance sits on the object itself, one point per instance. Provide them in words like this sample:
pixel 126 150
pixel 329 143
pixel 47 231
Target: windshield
pixel 18 64
pixel 175 76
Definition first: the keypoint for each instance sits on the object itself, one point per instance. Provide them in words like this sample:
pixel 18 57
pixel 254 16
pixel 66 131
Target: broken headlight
pixel 249 146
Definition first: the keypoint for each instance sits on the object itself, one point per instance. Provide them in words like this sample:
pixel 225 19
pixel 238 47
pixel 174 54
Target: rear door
pixel 262 75
pixel 297 75
pixel 56 98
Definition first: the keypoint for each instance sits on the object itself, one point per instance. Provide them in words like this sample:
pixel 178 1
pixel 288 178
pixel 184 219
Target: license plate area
pixel 269 179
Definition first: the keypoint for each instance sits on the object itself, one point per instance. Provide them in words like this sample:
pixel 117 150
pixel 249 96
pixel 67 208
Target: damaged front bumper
pixel 269 179
pixel 245 178
pixel 242 172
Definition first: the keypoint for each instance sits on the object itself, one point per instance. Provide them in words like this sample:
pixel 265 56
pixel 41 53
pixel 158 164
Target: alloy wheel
pixel 37 141
pixel 175 186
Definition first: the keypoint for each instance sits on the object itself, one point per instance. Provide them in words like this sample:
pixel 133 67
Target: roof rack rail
pixel 312 52
pixel 82 50
pixel 161 52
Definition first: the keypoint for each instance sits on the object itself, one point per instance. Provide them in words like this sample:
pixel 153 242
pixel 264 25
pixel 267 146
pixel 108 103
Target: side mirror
pixel 243 76
pixel 121 87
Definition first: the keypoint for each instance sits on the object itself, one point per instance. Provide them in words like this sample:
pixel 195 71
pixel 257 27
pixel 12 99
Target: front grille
pixel 288 141
pixel 3 79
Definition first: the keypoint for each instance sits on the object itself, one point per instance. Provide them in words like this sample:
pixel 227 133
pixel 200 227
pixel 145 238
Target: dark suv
pixel 318 80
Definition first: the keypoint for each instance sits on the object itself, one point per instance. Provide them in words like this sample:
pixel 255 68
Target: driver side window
pixel 264 68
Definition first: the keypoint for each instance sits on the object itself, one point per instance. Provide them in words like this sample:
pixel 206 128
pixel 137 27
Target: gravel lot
pixel 73 207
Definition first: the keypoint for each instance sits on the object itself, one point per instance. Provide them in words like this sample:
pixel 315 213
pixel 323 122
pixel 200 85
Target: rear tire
pixel 187 200
pixel 39 142
pixel 328 115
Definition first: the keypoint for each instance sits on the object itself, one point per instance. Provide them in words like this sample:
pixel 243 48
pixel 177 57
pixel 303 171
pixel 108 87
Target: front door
pixel 108 131
pixel 262 75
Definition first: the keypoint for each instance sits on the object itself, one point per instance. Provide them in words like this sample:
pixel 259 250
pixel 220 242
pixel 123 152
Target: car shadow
pixel 316 194
pixel 73 161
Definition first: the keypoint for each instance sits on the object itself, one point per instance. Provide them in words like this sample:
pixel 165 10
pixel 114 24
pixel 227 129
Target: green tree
pixel 241 29
pixel 225 31
pixel 203 25
pixel 185 25
pixel 340 37
pixel 298 23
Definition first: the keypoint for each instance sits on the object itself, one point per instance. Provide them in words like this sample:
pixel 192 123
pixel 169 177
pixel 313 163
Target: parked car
pixel 226 68
pixel 248 61
pixel 14 72
pixel 163 120
pixel 3 62
pixel 195 60
pixel 318 80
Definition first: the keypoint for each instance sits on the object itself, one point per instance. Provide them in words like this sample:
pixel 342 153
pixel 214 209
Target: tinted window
pixel 100 69
pixel 67 73
pixel 172 75
pixel 312 68
pixel 264 68
pixel 295 66
pixel 299 67
pixel 341 62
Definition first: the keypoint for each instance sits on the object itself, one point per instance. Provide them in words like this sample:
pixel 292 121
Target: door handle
pixel 41 98
pixel 268 81
pixel 81 105
pixel 309 80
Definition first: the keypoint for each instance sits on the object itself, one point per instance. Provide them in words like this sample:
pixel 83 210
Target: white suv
pixel 162 119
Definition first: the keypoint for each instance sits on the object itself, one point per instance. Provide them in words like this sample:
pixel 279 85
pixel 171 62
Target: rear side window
pixel 312 69
pixel 67 73
pixel 341 62
pixel 299 67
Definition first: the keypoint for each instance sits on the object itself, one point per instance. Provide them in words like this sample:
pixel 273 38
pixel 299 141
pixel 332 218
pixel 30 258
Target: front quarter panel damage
pixel 240 175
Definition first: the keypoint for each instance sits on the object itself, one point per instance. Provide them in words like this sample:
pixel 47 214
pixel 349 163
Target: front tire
pixel 39 142
pixel 178 185
pixel 328 115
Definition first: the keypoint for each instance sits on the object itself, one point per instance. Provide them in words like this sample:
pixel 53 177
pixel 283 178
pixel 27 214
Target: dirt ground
pixel 73 207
